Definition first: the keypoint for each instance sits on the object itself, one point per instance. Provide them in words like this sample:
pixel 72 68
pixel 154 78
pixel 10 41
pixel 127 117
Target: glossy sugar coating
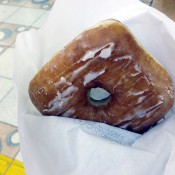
pixel 109 57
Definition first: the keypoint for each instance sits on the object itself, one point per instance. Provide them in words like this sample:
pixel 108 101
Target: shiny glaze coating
pixel 106 56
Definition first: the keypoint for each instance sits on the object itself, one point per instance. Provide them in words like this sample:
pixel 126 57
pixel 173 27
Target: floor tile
pixel 41 20
pixel 13 2
pixel 8 33
pixel 25 16
pixel 6 11
pixel 5 163
pixel 15 16
pixel 6 63
pixel 5 86
pixel 19 156
pixel 9 147
pixel 40 4
pixel 16 168
pixel 8 108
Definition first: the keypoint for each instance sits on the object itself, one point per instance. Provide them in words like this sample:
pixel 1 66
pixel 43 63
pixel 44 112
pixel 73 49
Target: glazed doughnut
pixel 139 91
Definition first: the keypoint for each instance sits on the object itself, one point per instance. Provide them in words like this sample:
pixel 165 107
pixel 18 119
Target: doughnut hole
pixel 98 97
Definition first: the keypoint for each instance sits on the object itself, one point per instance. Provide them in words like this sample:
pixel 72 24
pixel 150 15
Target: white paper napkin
pixel 64 146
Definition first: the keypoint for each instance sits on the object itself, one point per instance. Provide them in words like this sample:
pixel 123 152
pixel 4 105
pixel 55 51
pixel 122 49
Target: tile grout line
pixel 19 7
pixel 27 6
pixel 10 14
pixel 1 76
pixel 13 159
pixel 37 19
pixel 9 124
pixel 28 26
pixel 1 22
pixel 6 95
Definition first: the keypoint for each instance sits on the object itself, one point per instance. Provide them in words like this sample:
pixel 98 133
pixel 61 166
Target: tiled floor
pixel 17 16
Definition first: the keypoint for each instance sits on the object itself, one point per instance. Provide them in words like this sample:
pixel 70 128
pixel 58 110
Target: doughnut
pixel 136 90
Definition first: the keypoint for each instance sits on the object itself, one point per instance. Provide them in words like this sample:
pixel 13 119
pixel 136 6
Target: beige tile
pixel 8 147
pixel 6 36
pixel 6 63
pixel 8 33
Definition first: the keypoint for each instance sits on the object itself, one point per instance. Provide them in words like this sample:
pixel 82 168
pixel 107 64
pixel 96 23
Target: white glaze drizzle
pixel 141 99
pixel 91 76
pixel 61 99
pixel 137 68
pixel 77 72
pixel 139 113
pixel 135 74
pixel 137 93
pixel 160 97
pixel 89 54
pixel 170 91
pixel 103 54
pixel 68 113
pixel 69 91
pixel 106 52
pixel 124 57
pixel 64 81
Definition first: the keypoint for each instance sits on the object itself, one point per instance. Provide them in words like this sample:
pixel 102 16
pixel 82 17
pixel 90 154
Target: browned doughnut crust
pixel 106 56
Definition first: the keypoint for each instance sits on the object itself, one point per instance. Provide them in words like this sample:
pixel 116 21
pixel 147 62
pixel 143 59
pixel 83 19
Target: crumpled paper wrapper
pixel 65 146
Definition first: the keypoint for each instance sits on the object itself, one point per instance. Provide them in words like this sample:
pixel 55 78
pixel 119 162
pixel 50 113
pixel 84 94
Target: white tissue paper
pixel 65 146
